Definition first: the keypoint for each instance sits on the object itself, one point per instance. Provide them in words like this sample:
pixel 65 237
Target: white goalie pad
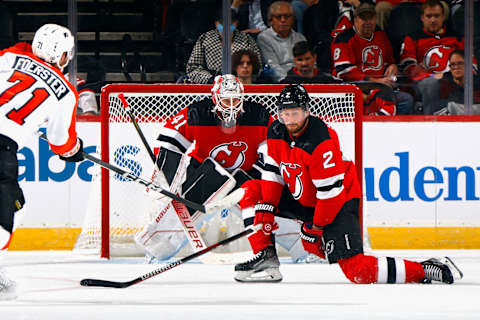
pixel 165 235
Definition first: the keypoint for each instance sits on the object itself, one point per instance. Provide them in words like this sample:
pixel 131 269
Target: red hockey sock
pixel 360 268
pixel 414 271
pixel 368 269
pixel 259 241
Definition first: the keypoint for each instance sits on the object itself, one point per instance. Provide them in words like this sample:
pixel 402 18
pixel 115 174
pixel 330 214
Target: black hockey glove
pixel 77 156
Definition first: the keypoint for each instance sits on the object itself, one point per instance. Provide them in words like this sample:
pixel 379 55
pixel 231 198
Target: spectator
pixel 246 66
pixel 364 53
pixel 206 58
pixel 305 70
pixel 384 9
pixel 424 54
pixel 452 86
pixel 276 42
pixel 299 6
pixel 318 22
pixel 252 15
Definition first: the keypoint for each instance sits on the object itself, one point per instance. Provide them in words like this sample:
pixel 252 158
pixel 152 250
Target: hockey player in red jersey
pixel 424 54
pixel 364 53
pixel 225 128
pixel 225 132
pixel 303 153
pixel 33 92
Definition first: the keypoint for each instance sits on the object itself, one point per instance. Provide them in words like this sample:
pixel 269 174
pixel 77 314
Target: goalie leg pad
pixel 163 237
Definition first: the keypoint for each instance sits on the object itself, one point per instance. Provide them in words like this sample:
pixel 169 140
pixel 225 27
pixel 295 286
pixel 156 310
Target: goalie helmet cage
pixel 123 207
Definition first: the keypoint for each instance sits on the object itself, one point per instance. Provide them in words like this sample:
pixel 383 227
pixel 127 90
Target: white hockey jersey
pixel 32 94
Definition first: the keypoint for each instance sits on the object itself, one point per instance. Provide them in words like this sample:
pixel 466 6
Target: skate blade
pixel 267 275
pixel 456 272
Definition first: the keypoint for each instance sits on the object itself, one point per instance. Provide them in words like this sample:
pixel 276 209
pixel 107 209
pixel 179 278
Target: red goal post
pixel 118 217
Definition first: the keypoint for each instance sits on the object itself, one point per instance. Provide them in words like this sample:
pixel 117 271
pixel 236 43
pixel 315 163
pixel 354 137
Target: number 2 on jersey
pixel 25 81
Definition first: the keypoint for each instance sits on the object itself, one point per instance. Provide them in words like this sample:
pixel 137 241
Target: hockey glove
pixel 312 239
pixel 77 156
pixel 263 224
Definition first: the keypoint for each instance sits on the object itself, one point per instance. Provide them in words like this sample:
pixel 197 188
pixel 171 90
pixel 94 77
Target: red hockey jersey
pixel 429 51
pixel 312 167
pixel 235 148
pixel 355 58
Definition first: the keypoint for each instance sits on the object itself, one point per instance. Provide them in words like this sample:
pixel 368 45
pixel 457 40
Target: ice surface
pixel 49 289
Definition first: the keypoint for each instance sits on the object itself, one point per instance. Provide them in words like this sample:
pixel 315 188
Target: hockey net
pixel 118 208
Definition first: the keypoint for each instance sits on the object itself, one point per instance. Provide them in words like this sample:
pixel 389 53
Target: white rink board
pixel 416 152
pixel 420 144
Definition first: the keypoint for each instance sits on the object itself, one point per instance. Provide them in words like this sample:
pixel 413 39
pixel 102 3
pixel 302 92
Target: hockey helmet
pixel 227 95
pixel 51 41
pixel 293 96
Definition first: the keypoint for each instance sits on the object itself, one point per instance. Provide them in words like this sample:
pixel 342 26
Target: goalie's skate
pixel 263 267
pixel 8 288
pixel 443 271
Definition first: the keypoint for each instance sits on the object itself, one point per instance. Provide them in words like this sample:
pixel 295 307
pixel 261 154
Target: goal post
pixel 121 209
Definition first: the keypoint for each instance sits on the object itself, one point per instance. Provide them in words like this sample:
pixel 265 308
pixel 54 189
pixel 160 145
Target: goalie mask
pixel 227 95
pixel 50 42
pixel 292 96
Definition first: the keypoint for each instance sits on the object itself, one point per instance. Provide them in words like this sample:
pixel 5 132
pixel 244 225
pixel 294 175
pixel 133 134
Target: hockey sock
pixel 369 269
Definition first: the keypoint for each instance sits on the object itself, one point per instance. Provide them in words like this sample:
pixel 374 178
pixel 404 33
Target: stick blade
pixel 103 283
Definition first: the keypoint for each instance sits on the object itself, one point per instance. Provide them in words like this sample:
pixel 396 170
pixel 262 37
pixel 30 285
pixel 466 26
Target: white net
pixel 124 205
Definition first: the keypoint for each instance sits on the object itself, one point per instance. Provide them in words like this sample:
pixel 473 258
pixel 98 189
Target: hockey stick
pixel 195 239
pixel 136 179
pixel 115 284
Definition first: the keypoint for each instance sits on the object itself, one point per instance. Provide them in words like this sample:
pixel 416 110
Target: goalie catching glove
pixel 76 154
pixel 312 239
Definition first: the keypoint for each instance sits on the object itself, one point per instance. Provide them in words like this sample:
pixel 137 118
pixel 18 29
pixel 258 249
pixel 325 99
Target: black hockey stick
pixel 137 179
pixel 137 127
pixel 119 284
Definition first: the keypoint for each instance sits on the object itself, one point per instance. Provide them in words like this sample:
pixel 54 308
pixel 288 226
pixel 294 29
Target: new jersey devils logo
pixel 372 58
pixel 291 175
pixel 436 58
pixel 230 155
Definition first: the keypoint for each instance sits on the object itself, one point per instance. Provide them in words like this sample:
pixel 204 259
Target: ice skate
pixel 443 271
pixel 8 287
pixel 263 267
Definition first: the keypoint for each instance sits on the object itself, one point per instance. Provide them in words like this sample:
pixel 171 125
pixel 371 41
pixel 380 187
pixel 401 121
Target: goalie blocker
pixel 202 183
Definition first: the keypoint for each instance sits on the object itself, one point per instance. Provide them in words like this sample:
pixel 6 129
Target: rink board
pixel 420 182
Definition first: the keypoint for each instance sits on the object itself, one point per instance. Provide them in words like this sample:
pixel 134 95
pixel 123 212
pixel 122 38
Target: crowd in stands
pixel 397 52
pixel 345 41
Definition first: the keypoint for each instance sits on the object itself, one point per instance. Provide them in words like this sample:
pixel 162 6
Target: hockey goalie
pixel 207 150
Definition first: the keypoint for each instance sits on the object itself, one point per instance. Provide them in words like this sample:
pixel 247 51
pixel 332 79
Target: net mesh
pixel 130 206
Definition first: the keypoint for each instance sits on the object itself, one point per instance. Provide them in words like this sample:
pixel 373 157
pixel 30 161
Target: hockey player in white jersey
pixel 33 93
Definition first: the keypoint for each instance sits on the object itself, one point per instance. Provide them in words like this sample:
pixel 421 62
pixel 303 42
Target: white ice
pixel 49 289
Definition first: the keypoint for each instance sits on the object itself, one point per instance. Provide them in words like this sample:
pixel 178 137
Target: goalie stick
pixel 119 284
pixel 136 179
pixel 193 236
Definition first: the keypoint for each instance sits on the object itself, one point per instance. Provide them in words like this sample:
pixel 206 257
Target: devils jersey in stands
pixel 355 58
pixel 233 148
pixel 430 50
pixel 312 167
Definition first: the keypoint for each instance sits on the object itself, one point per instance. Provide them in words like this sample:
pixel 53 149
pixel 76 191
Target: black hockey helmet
pixel 293 96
